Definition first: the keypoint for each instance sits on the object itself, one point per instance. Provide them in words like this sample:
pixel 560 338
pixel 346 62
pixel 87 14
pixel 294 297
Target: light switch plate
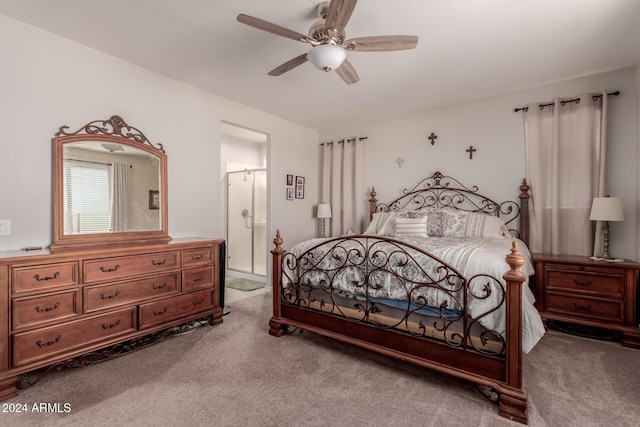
pixel 5 227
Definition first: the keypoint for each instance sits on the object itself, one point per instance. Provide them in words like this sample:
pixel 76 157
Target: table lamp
pixel 606 209
pixel 324 212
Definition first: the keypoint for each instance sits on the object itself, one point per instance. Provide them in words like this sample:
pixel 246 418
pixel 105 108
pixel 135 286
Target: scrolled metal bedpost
pixel 276 328
pixel 524 211
pixel 372 203
pixel 513 398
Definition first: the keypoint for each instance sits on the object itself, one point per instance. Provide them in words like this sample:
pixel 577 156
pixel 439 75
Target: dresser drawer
pixel 197 278
pixel 108 269
pixel 44 277
pixel 44 309
pixel 157 312
pixel 196 257
pixel 54 340
pixel 99 297
pixel 585 307
pixel 611 284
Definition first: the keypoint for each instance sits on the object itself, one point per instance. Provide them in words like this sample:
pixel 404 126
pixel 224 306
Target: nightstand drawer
pixel 610 284
pixel 585 307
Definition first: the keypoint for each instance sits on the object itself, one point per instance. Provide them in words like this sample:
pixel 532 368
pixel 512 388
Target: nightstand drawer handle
pixel 579 283
pixel 581 307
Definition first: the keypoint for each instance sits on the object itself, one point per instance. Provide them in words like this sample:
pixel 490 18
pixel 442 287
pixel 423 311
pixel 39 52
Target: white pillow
pixel 382 223
pixel 480 224
pixel 416 227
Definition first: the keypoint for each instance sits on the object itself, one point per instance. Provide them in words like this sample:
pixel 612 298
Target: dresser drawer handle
pixel 113 325
pixel 158 313
pixel 581 307
pixel 48 343
pixel 45 309
pixel 106 297
pixel 110 270
pixel 154 262
pixel 579 283
pixel 40 279
pixel 196 257
pixel 198 302
pixel 197 279
pixel 154 286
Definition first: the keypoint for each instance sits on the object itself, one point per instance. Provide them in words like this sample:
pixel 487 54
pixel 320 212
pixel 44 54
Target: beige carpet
pixel 235 374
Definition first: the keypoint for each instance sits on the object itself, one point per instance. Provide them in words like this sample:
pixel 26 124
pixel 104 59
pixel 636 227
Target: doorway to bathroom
pixel 244 190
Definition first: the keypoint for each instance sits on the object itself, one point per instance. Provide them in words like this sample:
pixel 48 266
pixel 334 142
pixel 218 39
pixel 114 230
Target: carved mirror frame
pixel 112 130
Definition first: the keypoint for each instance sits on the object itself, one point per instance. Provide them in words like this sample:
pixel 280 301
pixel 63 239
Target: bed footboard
pixel 433 329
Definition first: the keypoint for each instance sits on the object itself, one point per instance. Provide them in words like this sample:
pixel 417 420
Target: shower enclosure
pixel 246 221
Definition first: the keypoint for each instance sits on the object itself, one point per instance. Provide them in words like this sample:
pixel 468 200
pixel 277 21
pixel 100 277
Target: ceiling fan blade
pixel 289 65
pixel 339 14
pixel 271 28
pixel 381 43
pixel 348 73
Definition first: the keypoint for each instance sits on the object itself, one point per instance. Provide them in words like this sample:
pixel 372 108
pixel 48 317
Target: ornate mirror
pixel 110 186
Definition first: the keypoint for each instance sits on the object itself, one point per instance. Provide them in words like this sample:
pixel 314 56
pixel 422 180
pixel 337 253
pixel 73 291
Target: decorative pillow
pixel 453 222
pixel 484 225
pixel 434 224
pixel 405 226
pixel 382 223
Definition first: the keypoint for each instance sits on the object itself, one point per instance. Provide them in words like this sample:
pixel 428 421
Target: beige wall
pixel 47 81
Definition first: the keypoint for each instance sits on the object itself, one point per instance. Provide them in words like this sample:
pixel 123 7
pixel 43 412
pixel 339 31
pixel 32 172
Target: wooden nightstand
pixel 578 290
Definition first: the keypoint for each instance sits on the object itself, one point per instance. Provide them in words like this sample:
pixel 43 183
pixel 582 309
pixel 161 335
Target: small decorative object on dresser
pixel 579 290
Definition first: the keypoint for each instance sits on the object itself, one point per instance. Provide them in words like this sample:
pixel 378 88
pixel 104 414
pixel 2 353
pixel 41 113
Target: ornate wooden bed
pixel 306 294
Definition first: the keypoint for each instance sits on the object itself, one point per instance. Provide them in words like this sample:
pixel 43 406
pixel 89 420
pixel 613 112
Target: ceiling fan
pixel 327 38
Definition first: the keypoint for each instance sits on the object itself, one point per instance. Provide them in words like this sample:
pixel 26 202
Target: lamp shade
pixel 324 210
pixel 326 57
pixel 607 209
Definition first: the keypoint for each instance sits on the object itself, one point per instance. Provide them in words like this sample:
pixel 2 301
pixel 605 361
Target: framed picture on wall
pixel 299 187
pixel 290 193
pixel 154 199
pixel 289 179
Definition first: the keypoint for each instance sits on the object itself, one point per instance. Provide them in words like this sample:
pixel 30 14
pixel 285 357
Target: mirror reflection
pixel 110 187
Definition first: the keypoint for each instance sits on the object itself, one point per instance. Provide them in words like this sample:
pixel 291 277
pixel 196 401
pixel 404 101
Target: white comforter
pixel 469 257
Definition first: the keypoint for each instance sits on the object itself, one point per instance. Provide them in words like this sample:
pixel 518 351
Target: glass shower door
pixel 246 221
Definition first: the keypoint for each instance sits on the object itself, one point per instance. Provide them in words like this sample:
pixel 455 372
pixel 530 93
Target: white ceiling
pixel 468 49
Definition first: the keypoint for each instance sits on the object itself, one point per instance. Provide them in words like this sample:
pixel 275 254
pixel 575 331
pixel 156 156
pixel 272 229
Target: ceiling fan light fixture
pixel 327 57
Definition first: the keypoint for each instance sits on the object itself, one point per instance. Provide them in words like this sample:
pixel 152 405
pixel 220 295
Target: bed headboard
pixel 440 191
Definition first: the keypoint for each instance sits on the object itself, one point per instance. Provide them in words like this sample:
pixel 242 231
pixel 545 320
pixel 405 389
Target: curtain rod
pixel 362 138
pixel 576 100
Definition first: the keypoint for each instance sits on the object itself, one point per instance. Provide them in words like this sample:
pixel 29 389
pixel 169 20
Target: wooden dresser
pixel 57 306
pixel 578 290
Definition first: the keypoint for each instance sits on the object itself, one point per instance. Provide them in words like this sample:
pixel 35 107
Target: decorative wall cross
pixel 470 150
pixel 399 161
pixel 433 138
